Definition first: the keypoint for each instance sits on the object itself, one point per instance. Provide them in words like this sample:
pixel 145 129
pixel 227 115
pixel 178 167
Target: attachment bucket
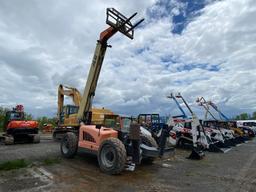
pixel 196 154
pixel 222 145
pixel 229 142
pixel 214 148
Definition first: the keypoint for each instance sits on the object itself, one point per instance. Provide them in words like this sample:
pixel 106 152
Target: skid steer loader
pixel 116 149
pixel 225 122
pixel 227 134
pixel 195 135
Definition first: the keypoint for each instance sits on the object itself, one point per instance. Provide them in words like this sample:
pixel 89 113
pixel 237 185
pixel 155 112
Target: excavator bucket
pixel 239 140
pixel 222 145
pixel 196 154
pixel 229 142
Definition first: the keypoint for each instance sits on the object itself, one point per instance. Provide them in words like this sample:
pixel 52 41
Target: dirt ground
pixel 232 171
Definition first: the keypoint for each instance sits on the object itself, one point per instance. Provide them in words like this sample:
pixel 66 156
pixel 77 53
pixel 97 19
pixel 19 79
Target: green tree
pixel 3 111
pixel 28 117
pixel 237 117
pixel 254 115
pixel 244 116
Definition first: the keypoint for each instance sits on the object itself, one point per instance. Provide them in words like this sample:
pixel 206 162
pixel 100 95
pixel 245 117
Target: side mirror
pixel 98 126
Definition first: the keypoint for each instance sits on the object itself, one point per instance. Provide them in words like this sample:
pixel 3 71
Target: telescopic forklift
pixel 228 134
pixel 17 129
pixel 113 147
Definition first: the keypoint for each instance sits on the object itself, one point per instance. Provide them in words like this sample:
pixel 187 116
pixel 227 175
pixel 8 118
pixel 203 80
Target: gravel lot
pixel 46 148
pixel 232 171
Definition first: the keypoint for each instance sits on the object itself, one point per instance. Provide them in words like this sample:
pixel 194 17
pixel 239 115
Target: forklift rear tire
pixel 112 156
pixel 36 138
pixel 151 142
pixel 69 145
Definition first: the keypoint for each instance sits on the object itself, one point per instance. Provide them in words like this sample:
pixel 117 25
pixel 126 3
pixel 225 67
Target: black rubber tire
pixel 69 145
pixel 151 142
pixel 114 148
pixel 36 138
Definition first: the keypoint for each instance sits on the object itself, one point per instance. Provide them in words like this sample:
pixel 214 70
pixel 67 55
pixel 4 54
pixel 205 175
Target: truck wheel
pixel 112 156
pixel 69 145
pixel 36 138
pixel 151 142
pixel 9 140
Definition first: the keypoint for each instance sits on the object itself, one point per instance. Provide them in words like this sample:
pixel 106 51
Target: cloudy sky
pixel 199 48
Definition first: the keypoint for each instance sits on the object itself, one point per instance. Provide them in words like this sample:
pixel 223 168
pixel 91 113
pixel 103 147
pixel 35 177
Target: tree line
pixel 246 116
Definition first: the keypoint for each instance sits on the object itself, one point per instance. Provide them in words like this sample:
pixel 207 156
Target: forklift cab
pixel 112 121
pixel 118 123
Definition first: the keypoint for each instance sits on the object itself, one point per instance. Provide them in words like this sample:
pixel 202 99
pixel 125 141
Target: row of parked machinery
pixel 123 142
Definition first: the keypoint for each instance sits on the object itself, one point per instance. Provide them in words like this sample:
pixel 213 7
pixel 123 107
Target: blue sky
pixel 199 48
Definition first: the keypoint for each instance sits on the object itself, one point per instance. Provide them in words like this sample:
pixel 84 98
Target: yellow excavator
pixel 67 114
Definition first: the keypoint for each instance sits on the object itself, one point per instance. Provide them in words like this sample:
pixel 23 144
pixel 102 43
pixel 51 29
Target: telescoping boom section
pixel 117 22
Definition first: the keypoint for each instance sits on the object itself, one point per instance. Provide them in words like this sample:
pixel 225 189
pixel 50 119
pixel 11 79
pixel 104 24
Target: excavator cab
pixel 67 111
pixel 12 116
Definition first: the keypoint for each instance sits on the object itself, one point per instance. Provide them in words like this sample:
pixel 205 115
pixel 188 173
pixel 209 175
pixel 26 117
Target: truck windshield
pixel 125 125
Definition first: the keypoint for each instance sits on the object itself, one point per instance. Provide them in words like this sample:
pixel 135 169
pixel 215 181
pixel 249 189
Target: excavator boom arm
pixel 68 91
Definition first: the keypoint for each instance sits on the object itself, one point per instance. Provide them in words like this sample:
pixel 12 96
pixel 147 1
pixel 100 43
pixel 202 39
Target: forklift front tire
pixel 112 156
pixel 69 145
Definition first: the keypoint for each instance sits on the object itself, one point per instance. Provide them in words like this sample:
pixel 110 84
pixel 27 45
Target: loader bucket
pixel 196 154
pixel 229 142
pixel 222 145
pixel 239 140
pixel 214 148
pixel 246 138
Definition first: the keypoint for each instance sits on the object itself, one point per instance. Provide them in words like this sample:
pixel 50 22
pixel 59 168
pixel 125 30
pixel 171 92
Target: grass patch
pixel 51 161
pixel 14 164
